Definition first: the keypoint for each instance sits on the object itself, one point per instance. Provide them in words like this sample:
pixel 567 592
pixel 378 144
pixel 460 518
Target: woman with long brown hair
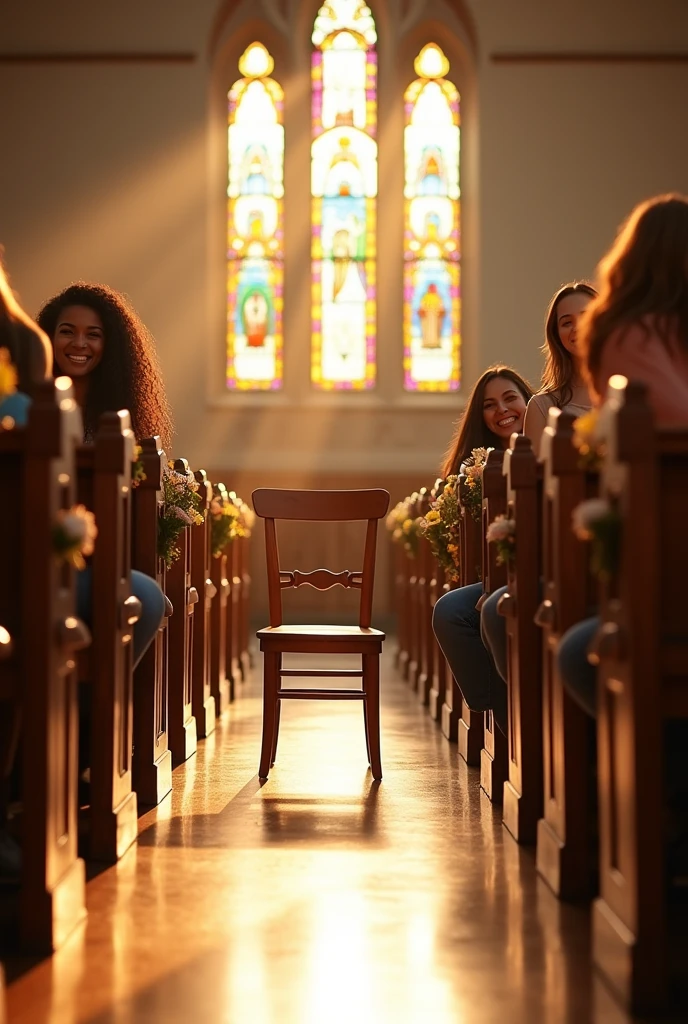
pixel 494 411
pixel 638 327
pixel 562 385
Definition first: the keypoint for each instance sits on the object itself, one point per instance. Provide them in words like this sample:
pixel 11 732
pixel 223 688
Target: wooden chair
pixel 184 598
pixel 152 764
pixel 220 678
pixel 277 639
pixel 38 643
pixel 563 847
pixel 642 649
pixel 471 724
pixel 494 755
pixel 203 701
pixel 523 788
pixel 104 486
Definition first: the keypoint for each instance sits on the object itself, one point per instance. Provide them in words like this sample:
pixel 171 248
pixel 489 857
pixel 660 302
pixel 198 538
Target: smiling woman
pixel 100 342
pixel 494 411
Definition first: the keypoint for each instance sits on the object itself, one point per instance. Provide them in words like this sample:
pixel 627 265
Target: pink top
pixel 645 357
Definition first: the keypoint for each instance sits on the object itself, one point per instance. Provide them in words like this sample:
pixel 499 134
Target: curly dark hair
pixel 128 376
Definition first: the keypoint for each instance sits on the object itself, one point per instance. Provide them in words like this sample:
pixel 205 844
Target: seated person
pixel 27 349
pixel 495 410
pixel 99 341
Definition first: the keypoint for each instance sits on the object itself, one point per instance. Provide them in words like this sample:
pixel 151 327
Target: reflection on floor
pixel 322 897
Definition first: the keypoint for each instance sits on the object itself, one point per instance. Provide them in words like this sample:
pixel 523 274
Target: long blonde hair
pixel 29 348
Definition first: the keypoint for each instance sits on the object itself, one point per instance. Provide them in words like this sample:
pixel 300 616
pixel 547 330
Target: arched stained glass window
pixel 255 193
pixel 343 190
pixel 432 304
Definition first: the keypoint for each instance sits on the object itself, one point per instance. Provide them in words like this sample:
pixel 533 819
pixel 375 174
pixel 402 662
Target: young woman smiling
pixel 495 410
pixel 562 383
pixel 100 342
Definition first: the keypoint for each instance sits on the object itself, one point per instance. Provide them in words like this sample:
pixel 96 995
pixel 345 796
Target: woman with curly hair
pixel 100 342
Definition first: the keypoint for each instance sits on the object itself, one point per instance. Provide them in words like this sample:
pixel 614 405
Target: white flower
pixel 501 529
pixel 184 516
pixel 588 513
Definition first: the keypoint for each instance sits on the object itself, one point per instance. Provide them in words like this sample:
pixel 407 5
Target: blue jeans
pixel 493 632
pixel 152 607
pixel 577 674
pixel 456 623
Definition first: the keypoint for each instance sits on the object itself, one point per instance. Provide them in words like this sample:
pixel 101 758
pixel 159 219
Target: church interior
pixel 364 380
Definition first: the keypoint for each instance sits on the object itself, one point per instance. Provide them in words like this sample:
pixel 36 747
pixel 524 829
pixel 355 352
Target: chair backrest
pixel 320 506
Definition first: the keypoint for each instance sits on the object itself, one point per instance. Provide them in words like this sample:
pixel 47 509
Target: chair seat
pixel 353 634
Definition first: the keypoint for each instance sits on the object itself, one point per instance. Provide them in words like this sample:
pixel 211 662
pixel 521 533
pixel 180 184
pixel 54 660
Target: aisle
pixel 321 898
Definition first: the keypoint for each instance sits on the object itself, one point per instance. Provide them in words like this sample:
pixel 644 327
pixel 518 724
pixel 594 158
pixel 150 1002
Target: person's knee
pixel 456 609
pixel 577 674
pixel 152 600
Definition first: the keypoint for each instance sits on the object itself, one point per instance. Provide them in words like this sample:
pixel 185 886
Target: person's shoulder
pixel 543 400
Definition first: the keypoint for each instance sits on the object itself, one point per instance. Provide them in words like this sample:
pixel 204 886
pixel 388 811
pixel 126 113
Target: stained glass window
pixel 432 304
pixel 343 190
pixel 255 193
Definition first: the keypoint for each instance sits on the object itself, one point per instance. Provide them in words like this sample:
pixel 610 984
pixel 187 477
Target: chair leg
pixel 371 686
pixel 276 733
pixel 365 724
pixel 270 702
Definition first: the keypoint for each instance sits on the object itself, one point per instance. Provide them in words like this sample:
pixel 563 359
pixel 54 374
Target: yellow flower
pixel 585 429
pixel 408 526
pixel 8 375
pixel 432 517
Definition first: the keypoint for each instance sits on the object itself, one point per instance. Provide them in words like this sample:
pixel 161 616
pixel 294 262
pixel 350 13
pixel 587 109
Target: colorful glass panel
pixel 432 302
pixel 255 258
pixel 344 191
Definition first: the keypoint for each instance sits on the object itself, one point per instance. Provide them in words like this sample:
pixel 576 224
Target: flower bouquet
pixel 597 521
pixel 403 525
pixel 587 440
pixel 502 533
pixel 223 518
pixel 182 507
pixel 137 472
pixel 74 534
pixel 472 469
pixel 441 527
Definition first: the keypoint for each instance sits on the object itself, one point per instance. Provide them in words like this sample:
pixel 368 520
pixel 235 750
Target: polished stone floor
pixel 322 897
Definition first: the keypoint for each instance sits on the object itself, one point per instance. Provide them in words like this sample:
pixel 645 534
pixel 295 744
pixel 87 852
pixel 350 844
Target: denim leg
pixel 577 674
pixel 493 631
pixel 152 611
pixel 457 627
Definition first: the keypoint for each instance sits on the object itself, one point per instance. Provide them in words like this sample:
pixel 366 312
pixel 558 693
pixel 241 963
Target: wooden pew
pixel 203 701
pixel 245 660
pixel 234 631
pixel 563 847
pixel 184 598
pixel 413 605
pixel 3 1002
pixel 41 635
pixel 441 675
pixel 152 764
pixel 104 486
pixel 470 726
pixel 427 644
pixel 220 678
pixel 523 788
pixel 642 647
pixel 401 577
pixel 494 755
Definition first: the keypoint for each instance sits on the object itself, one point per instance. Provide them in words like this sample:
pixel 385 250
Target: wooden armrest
pixel 73 634
pixel 609 642
pixel 481 601
pixel 6 644
pixel 169 607
pixel 546 614
pixel 506 605
pixel 130 611
pixel 210 589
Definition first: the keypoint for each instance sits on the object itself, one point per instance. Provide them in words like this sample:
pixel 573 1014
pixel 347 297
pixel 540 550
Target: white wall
pixel 109 178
